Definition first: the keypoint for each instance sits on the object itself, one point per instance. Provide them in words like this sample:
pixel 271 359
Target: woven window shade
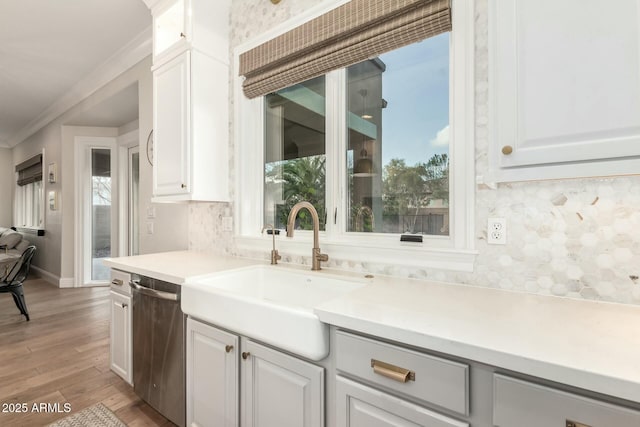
pixel 30 170
pixel 351 33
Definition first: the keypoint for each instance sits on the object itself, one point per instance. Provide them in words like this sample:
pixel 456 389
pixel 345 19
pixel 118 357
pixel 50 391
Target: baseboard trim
pixel 44 274
pixel 67 282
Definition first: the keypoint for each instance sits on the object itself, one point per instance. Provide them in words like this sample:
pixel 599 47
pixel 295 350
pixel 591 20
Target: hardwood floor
pixel 62 356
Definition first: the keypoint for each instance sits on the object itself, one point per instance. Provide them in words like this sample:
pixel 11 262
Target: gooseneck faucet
pixel 316 256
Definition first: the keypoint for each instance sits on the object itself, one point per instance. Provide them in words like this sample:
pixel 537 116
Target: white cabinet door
pixel 279 390
pixel 564 88
pixel 121 352
pixel 212 376
pixel 172 123
pixel 169 26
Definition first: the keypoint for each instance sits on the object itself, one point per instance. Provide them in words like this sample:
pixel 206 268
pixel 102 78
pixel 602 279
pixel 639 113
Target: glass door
pixel 101 212
pixel 96 208
pixel 134 198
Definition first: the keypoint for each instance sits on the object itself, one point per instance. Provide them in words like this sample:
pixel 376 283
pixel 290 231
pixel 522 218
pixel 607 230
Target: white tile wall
pixel 575 238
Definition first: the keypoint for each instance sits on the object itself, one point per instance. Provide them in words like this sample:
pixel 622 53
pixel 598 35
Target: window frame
pixel 453 252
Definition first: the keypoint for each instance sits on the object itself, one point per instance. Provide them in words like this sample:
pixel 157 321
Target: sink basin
pixel 272 304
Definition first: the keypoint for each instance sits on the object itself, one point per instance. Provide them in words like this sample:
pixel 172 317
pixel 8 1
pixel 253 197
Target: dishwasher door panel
pixel 158 350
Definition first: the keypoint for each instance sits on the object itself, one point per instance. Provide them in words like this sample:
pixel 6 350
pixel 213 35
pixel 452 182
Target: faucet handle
pixel 322 257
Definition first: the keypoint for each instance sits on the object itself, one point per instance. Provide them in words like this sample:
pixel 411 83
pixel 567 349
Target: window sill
pixel 31 230
pixel 407 255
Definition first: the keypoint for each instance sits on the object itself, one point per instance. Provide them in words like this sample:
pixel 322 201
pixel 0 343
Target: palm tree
pixel 303 180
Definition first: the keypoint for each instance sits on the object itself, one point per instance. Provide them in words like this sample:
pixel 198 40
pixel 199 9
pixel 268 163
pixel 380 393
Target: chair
pixel 13 281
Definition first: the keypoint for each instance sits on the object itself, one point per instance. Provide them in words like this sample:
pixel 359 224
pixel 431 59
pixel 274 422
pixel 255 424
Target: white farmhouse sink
pixel 272 304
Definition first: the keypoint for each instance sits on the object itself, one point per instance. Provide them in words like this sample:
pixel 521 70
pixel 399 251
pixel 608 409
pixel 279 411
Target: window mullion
pixel 336 160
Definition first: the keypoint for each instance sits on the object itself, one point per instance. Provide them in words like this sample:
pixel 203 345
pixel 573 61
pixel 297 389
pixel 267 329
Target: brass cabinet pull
pixel 575 424
pixel 228 348
pixel 507 149
pixel 393 372
pixel 116 282
pixel 245 355
pixel 184 185
pixel 183 35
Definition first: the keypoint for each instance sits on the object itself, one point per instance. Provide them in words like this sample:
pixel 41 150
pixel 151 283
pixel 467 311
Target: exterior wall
pixel 572 238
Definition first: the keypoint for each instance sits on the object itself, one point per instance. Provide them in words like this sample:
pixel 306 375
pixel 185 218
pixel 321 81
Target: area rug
pixel 97 415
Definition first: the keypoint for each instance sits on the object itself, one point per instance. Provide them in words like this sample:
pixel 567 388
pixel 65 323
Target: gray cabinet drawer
pixel 519 403
pixel 435 380
pixel 362 406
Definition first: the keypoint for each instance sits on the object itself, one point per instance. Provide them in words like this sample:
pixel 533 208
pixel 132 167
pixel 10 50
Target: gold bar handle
pixel 575 424
pixel 393 372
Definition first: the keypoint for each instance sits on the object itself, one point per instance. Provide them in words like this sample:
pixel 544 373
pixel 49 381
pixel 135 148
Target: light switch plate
pixel 227 223
pixel 151 212
pixel 149 227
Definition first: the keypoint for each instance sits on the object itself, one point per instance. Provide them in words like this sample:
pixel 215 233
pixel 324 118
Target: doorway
pixel 96 208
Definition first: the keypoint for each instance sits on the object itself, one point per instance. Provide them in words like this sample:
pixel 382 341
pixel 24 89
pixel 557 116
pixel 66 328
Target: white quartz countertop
pixel 585 344
pixel 178 266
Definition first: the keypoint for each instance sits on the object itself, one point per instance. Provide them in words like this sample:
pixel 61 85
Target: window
pixel 381 148
pixel 398 141
pixel 29 201
pixel 29 198
pixel 295 155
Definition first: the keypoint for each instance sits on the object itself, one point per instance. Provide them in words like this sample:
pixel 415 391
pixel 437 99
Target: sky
pixel 415 124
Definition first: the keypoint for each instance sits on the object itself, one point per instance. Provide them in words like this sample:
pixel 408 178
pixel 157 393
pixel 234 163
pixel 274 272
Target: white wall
pixel 47 256
pixel 7 181
pixel 578 249
pixel 55 252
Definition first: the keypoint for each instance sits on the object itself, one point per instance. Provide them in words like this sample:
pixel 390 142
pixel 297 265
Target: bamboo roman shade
pixel 30 170
pixel 351 33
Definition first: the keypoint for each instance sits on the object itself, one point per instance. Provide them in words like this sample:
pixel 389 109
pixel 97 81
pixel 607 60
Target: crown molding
pixel 126 57
pixel 151 3
pixel 4 144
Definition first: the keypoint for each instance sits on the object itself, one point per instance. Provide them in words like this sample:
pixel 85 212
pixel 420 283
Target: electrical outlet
pixel 497 231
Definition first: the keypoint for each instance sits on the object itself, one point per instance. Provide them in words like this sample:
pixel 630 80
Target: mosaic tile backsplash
pixel 574 238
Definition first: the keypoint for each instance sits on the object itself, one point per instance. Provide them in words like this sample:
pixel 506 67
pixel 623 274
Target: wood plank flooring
pixel 62 356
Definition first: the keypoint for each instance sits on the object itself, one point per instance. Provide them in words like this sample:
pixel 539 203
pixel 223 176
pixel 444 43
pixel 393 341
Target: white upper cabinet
pixel 190 100
pixel 171 118
pixel 180 25
pixel 564 87
pixel 169 26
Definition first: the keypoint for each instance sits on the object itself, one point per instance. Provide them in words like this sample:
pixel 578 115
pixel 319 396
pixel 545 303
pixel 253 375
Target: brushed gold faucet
pixel 316 256
pixel 275 256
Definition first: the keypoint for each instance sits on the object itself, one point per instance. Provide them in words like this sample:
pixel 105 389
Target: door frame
pixel 82 150
pixel 125 143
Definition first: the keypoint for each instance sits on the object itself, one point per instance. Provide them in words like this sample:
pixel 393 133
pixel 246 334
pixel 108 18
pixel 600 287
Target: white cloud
pixel 442 138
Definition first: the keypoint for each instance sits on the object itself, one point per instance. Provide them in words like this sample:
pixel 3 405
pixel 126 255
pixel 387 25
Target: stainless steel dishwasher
pixel 159 347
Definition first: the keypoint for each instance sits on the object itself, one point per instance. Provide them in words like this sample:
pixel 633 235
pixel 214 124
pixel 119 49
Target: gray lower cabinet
pixel 279 390
pixel 519 403
pixel 358 405
pixel 212 376
pixel 431 379
pixel 388 379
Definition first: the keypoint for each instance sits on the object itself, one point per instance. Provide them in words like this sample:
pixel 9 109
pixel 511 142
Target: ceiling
pixel 47 47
